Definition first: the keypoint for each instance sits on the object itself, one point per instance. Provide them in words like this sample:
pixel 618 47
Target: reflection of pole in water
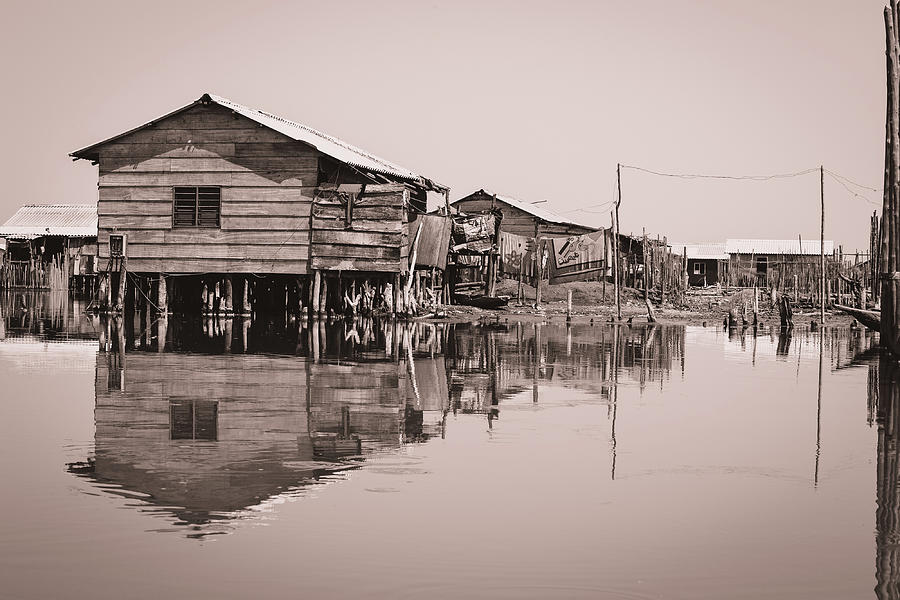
pixel 887 493
pixel 614 397
pixel 819 408
pixel 536 360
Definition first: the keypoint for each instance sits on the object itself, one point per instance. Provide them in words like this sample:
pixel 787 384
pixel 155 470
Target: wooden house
pixel 785 264
pixel 707 263
pixel 520 217
pixel 516 217
pixel 238 205
pixel 50 246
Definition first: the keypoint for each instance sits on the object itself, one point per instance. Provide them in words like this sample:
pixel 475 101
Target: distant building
pixel 522 218
pixel 706 263
pixel 49 246
pixel 785 264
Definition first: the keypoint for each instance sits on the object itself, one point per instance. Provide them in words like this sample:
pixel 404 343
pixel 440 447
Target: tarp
pixel 577 258
pixel 474 233
pixel 434 241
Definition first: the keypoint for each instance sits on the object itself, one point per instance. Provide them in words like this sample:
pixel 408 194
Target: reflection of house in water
pixel 489 364
pixel 204 437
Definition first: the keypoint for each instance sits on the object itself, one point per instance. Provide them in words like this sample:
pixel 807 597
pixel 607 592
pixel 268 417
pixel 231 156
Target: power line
pixel 731 177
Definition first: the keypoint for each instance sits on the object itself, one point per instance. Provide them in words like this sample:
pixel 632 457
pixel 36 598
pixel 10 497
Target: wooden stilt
pixel 316 300
pixel 162 296
pixel 229 295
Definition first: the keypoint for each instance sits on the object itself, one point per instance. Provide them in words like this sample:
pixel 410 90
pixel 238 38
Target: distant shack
pixel 50 246
pixel 522 218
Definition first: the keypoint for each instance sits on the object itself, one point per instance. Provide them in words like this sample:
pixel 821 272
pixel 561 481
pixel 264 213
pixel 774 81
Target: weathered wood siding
pixel 267 185
pixel 516 220
pixel 376 237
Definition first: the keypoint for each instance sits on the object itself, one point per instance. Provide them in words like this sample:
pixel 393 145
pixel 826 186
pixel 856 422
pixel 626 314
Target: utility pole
pixel 822 247
pixel 616 239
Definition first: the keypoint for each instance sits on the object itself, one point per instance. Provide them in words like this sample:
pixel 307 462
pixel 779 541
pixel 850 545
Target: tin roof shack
pixel 517 220
pixel 785 264
pixel 222 194
pixel 707 263
pixel 50 246
pixel 520 217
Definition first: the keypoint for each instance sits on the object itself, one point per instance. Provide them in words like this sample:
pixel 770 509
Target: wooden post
pixel 615 225
pixel 568 305
pixel 245 296
pixel 229 295
pixel 316 301
pixel 822 246
pixel 521 291
pixel 646 265
pixel 664 261
pixel 539 271
pixel 123 275
pixel 323 297
pixel 606 265
pixel 162 296
pixel 890 337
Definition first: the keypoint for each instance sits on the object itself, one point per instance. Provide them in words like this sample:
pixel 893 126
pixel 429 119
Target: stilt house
pixel 50 246
pixel 235 204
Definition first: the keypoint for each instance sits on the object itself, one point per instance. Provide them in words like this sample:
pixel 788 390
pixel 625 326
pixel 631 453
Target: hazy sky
pixel 534 99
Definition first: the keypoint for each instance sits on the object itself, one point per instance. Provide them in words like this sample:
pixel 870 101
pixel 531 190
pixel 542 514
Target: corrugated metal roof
pixel 36 220
pixel 326 144
pixel 535 210
pixel 701 251
pixel 810 247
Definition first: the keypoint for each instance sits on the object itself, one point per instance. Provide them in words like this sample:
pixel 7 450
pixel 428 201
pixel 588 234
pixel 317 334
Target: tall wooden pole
pixel 616 239
pixel 822 247
pixel 889 282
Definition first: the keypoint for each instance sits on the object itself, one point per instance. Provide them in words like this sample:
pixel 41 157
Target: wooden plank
pixel 294 247
pixel 252 133
pixel 274 266
pixel 134 208
pixel 214 178
pixel 237 208
pixel 362 238
pixel 371 213
pixel 130 222
pixel 191 235
pixel 358 225
pixel 356 264
pixel 344 251
pixel 272 223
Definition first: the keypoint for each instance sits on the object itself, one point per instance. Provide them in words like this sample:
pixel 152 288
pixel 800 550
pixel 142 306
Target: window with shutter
pixel 197 206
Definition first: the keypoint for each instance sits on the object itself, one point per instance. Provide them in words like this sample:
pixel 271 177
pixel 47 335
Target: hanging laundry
pixel 513 253
pixel 578 258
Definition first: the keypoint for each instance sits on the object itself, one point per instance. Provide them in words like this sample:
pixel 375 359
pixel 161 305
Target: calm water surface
pixel 194 459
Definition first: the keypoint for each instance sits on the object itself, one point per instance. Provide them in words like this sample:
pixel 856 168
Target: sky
pixel 538 100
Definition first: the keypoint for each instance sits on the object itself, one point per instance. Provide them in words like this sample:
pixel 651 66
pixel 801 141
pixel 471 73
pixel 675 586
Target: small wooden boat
pixel 869 318
pixel 488 302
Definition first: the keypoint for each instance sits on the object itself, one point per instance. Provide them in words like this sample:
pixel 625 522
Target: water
pixel 500 460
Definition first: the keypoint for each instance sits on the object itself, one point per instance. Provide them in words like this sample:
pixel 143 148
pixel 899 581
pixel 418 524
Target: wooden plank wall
pixel 516 220
pixel 376 238
pixel 267 180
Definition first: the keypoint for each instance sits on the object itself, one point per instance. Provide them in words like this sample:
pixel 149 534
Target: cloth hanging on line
pixel 514 253
pixel 578 257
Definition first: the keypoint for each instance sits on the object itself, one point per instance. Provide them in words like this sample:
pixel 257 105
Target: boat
pixel 869 318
